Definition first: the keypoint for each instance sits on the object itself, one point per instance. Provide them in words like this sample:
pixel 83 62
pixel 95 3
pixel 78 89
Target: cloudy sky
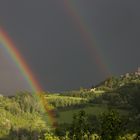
pixel 70 44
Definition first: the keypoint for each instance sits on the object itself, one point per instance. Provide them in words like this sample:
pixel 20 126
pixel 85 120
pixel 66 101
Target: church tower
pixel 138 70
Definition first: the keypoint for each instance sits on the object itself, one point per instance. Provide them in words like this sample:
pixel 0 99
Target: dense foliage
pixel 59 101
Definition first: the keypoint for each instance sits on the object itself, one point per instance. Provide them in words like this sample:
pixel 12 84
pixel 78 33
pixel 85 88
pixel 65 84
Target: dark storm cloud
pixel 52 45
pixel 118 24
pixel 10 78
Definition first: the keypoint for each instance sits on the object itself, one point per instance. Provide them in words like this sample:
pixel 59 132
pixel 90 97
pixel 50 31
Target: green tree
pixel 111 125
pixel 79 126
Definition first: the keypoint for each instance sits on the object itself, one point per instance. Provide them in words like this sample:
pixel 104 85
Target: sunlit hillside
pixel 79 114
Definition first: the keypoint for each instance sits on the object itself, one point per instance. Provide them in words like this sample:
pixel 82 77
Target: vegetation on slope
pixel 109 111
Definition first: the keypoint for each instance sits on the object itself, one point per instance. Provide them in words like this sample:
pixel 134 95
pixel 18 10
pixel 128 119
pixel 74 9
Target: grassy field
pixel 98 109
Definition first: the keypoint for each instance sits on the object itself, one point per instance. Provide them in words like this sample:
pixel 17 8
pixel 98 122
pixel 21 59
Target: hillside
pixel 116 82
pixel 23 118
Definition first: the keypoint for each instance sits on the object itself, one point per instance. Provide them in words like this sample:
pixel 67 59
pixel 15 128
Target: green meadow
pixel 96 110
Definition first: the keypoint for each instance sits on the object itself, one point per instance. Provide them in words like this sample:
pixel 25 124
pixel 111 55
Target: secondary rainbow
pixel 26 72
pixel 86 34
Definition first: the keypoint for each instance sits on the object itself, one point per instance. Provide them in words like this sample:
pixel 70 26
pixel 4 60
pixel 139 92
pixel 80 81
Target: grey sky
pixel 50 41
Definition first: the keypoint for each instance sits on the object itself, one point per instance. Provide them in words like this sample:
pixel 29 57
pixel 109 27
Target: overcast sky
pixel 62 40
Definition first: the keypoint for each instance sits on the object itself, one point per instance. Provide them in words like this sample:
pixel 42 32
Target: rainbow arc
pixel 87 36
pixel 16 57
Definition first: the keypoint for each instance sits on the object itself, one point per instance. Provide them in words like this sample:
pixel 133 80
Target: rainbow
pixel 26 72
pixel 87 36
